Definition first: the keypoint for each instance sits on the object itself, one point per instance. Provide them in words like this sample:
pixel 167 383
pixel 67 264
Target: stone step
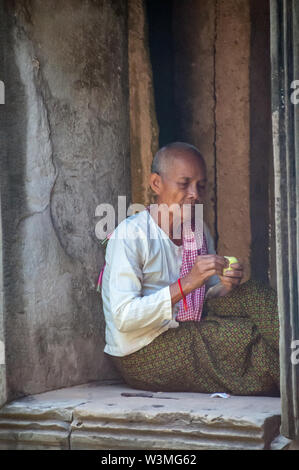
pixel 97 416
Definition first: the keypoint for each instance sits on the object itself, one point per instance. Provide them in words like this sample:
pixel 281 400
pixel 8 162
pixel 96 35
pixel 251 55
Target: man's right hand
pixel 204 267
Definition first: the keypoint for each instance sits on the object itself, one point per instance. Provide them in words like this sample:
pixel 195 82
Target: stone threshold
pixel 97 416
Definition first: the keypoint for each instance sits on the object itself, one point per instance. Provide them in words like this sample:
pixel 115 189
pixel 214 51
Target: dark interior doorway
pixel 159 14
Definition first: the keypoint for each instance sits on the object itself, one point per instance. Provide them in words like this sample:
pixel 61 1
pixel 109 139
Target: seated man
pixel 234 348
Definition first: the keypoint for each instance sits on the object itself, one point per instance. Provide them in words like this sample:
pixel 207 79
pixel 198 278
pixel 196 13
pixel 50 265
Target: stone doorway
pixel 212 87
pixel 53 322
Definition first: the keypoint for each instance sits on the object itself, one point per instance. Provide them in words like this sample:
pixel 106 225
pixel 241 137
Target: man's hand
pixel 232 279
pixel 204 267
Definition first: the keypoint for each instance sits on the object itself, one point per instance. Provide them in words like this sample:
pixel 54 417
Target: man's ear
pixel 155 183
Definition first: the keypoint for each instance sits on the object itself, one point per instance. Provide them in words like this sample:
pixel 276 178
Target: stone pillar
pixel 144 131
pixel 285 127
pixel 3 392
pixel 3 189
pixel 261 153
pixel 67 136
pixel 233 129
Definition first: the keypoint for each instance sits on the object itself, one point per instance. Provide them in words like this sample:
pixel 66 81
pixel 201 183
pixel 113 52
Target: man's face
pixel 184 182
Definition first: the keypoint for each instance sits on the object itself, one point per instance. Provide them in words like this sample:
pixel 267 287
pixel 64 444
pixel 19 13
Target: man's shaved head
pixel 165 157
pixel 178 175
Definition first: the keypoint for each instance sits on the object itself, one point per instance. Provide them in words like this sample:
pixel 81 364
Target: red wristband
pixel 184 297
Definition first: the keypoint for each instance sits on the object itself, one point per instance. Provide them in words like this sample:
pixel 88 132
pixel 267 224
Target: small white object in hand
pixel 220 395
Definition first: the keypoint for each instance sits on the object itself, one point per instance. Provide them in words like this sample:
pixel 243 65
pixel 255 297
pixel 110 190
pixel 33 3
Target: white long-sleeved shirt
pixel 141 263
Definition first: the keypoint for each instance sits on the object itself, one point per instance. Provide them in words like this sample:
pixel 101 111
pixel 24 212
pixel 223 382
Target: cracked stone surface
pixel 97 416
pixel 66 131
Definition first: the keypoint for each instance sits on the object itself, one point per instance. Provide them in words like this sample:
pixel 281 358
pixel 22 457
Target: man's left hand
pixel 232 279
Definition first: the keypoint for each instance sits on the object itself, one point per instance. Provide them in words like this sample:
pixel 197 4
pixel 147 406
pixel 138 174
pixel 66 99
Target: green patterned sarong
pixel 233 349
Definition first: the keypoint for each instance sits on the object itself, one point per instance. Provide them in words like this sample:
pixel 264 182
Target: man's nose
pixel 193 192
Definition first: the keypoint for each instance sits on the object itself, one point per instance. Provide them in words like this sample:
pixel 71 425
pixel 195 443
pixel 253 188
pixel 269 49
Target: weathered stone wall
pixel 67 138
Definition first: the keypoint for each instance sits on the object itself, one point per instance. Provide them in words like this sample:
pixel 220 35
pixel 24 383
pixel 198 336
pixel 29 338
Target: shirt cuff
pixel 168 304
